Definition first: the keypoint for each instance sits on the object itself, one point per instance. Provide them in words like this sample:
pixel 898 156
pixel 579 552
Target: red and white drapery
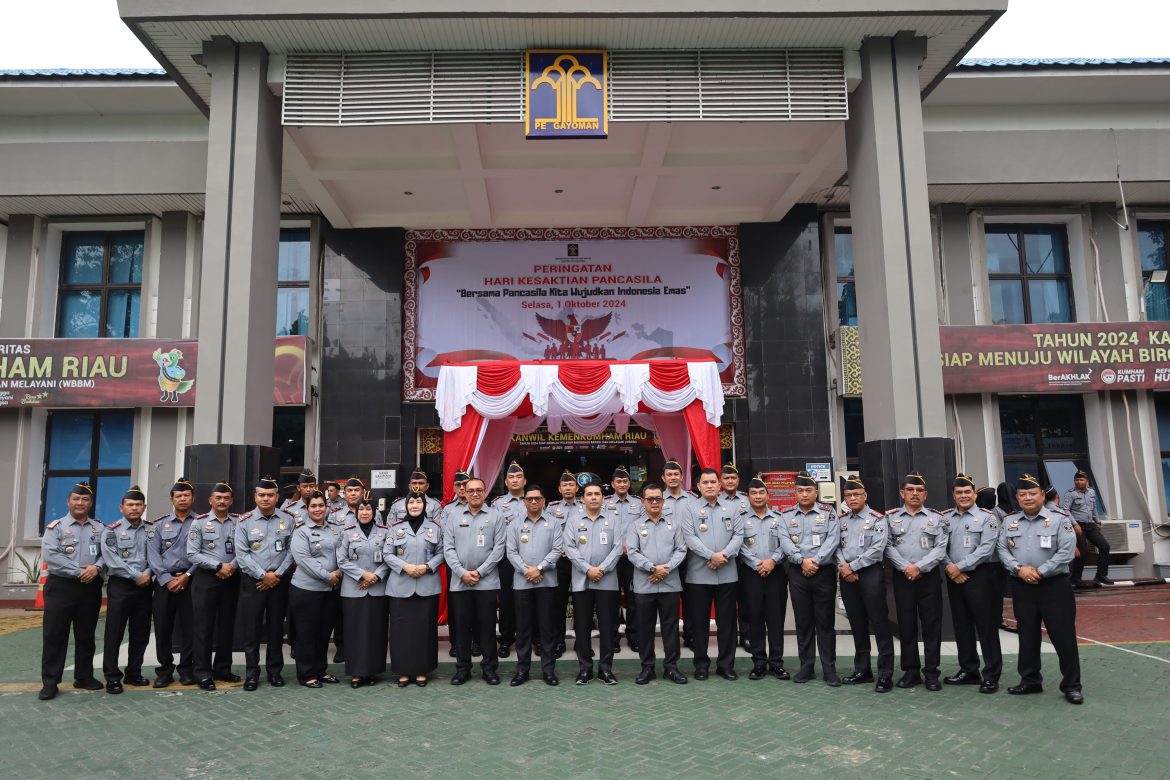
pixel 481 405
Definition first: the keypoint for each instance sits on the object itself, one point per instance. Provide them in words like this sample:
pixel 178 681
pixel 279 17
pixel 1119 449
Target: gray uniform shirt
pixel 474 542
pixel 397 510
pixel 759 538
pixel 707 529
pixel 656 543
pixel 536 543
pixel 1046 541
pixel 974 535
pixel 627 510
pixel 211 542
pixel 863 538
pixel 124 549
pixel 593 542
pixel 1082 505
pixel 403 546
pixel 358 554
pixel 262 543
pixel 69 545
pixel 918 538
pixel 813 534
pixel 166 547
pixel 296 509
pixel 314 548
pixel 510 507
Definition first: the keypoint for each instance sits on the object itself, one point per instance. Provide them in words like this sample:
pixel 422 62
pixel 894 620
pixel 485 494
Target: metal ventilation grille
pixel 649 85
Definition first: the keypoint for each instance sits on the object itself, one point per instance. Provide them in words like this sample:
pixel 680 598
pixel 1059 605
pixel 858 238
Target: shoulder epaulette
pixel 824 505
pixel 200 517
pixel 877 513
pixel 950 511
pixel 242 515
pixel 380 524
pixel 892 511
pixel 346 528
pixel 54 524
pixel 114 524
pixel 298 523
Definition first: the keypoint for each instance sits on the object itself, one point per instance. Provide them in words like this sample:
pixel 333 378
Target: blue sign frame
pixel 566 93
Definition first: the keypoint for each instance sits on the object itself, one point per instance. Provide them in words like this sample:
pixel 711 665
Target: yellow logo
pixel 566 95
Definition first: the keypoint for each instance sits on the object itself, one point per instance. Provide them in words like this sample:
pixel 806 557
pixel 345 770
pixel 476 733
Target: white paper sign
pixel 383 479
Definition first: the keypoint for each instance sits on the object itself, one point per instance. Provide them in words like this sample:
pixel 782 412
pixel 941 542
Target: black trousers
pixel 1052 603
pixel 741 601
pixel 561 601
pixel 586 604
pixel 698 602
pixel 262 614
pixel 687 629
pixel 625 572
pixel 173 611
pixel 662 607
pixel 812 609
pixel 507 604
pixel 767 603
pixel 533 608
pixel 920 600
pixel 312 612
pixel 865 606
pixel 213 605
pixel 70 605
pixel 976 612
pixel 475 611
pixel 126 605
pixel 1091 534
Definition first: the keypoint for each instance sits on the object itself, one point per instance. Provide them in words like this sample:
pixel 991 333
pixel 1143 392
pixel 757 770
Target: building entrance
pixel 545 456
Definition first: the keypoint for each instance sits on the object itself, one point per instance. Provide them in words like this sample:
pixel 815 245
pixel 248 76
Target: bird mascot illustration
pixel 170 375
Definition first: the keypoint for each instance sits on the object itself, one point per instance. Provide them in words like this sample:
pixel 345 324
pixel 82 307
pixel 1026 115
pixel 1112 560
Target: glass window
pixel 101 279
pixel 1028 272
pixel 1152 246
pixel 1038 427
pixel 846 283
pixel 854 431
pixel 70 442
pixel 292 311
pixel 293 264
pixel 292 282
pixel 92 446
pixel 288 435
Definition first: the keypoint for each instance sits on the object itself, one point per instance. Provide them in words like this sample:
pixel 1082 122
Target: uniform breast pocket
pixel 125 546
pixel 750 541
pixel 928 538
pixel 169 538
pixel 1013 538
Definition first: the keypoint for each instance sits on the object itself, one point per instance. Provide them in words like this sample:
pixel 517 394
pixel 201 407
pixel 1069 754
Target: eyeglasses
pixel 657 500
pixel 475 491
pixel 534 498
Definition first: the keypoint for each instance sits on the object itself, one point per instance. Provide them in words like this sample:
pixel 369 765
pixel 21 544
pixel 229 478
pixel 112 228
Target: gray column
pixel 22 248
pixel 237 281
pixel 897 282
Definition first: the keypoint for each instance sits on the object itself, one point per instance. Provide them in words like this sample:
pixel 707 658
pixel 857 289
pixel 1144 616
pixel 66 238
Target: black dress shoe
pixel 727 674
pixel 1074 697
pixel 633 645
pixel 356 683
pixel 607 677
pixel 276 681
pixel 758 673
pixel 518 679
pixel 932 684
pixel 559 649
pixel 403 682
pixel 138 681
pixel 460 677
pixel 251 684
pixel 505 650
pixel 857 678
pixel 988 686
pixel 551 679
pixel 188 680
pixel 781 673
pixel 228 678
pixel 701 674
pixel 583 677
pixel 329 679
pixel 207 685
pixel 491 678
pixel 832 680
pixel 420 683
pixel 909 680
pixel 313 684
pixel 675 676
pixel 163 682
pixel 88 685
pixel 802 676
pixel 962 678
pixel 1099 581
pixel 883 685
pixel 47 692
pixel 476 650
pixel 1023 689
pixel 644 677
pixel 114 687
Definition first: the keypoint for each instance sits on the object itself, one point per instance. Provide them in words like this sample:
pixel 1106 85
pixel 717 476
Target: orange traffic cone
pixel 40 602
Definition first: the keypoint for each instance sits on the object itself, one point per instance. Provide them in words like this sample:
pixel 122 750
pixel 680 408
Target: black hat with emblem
pixel 82 488
pixel 182 485
pixel 804 479
pixel 914 478
pixel 306 477
pixel 354 482
pixel 729 468
pixel 134 494
pixel 620 473
pixel 672 465
pixel 567 476
pixel 963 480
pixel 1027 482
pixel 515 468
pixel 757 482
pixel 267 483
pixel 223 486
pixel 852 483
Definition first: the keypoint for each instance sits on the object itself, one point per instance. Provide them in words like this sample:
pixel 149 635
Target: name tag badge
pixel 727 524
pixel 378 555
pixel 603 538
pixel 1046 542
pixel 967 541
pixel 481 541
pixel 816 539
pixel 229 548
pixel 279 546
pixel 93 549
pixel 925 542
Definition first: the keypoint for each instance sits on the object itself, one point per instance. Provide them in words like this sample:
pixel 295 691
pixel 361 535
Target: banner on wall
pixel 781 488
pixel 571 294
pixel 86 373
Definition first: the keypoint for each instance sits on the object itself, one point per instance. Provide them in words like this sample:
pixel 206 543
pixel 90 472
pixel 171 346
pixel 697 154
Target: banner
pixel 86 373
pixel 781 489
pixel 571 294
pixel 542 439
pixel 1076 357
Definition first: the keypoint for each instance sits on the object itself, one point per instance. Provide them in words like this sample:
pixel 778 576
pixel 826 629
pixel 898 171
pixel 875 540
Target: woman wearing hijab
pixel 414 551
pixel 363 595
pixel 314 548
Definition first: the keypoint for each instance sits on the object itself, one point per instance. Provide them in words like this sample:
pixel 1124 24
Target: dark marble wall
pixel 784 420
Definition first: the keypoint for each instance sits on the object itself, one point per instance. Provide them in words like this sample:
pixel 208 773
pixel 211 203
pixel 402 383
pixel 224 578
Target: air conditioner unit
pixel 1124 536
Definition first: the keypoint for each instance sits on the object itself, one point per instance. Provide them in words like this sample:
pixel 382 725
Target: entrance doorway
pixel 545 456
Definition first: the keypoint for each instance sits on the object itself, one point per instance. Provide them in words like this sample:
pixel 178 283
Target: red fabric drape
pixel 496 378
pixel 458 448
pixel 669 375
pixel 584 377
pixel 704 435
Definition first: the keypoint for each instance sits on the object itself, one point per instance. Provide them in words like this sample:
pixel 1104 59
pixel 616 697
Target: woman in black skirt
pixel 414 551
pixel 363 595
pixel 310 595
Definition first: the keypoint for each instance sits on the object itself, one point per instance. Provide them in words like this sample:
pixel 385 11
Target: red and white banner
pixel 571 294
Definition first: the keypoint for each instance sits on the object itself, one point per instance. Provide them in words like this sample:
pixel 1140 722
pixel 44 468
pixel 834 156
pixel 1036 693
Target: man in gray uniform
pixel 917 545
pixel 1081 503
pixel 672 497
pixel 627 508
pixel 1036 547
pixel 731 498
pixel 763 582
pixel 296 505
pixel 215 588
pixel 534 544
pixel 973 587
pixel 656 549
pixel 419 483
pixel 71 546
pixel 808 536
pixel 510 507
pixel 128 593
pixel 473 544
pixel 593 546
pixel 714 536
pixel 564 510
pixel 166 550
pixel 333 495
pixel 264 556
pixel 863 586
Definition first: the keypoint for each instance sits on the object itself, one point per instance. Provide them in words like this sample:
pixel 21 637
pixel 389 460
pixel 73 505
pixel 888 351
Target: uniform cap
pixel 804 479
pixel 419 474
pixel 985 498
pixel 367 499
pixel 914 478
pixel 82 489
pixel 515 468
pixel 963 480
pixel 729 468
pixel 1026 482
pixel 1050 493
pixel 462 476
pixel 1081 474
pixel 621 473
pixel 853 483
pixel 756 482
pixel 222 487
pixel 567 476
pixel 354 482
pixel 307 477
pixel 672 465
pixel 182 485
pixel 134 494
pixel 267 483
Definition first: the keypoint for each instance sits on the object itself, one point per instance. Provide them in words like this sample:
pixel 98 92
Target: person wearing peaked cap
pixel 166 550
pixel 973 587
pixel 676 501
pixel 71 548
pixel 364 606
pixel 564 510
pixel 860 565
pixel 413 556
pixel 511 507
pixel 353 493
pixel 419 483
pixel 1036 547
pixel 628 509
pixel 333 496
pixel 264 556
pixel 306 484
pixel 129 595
pixel 732 499
pixel 311 602
pixel 1081 503
pixel 215 588
pixel 764 584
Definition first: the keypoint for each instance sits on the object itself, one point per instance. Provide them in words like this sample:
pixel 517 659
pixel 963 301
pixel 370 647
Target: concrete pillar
pixel 237 281
pixel 22 255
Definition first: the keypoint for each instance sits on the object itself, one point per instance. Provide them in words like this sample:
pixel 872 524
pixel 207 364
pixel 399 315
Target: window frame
pixel 1024 276
pixel 1038 455
pixel 1163 225
pixel 297 284
pixel 95 472
pixel 105 287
